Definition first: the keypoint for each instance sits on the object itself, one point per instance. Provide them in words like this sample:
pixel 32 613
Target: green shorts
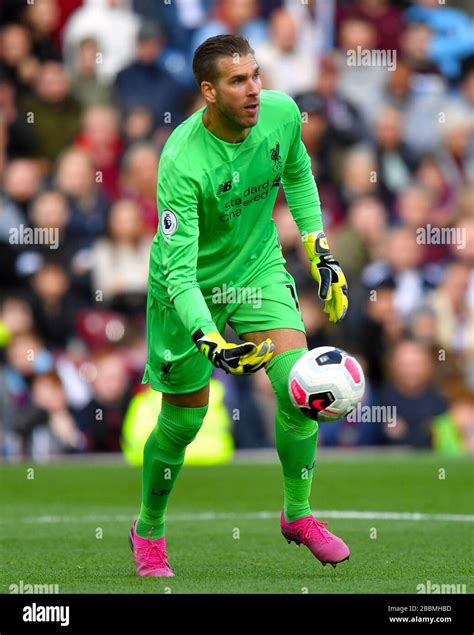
pixel 174 363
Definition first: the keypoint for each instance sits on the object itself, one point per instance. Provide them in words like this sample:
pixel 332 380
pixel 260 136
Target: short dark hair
pixel 207 53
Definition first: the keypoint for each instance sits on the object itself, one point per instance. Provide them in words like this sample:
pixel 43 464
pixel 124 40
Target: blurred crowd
pixel 90 91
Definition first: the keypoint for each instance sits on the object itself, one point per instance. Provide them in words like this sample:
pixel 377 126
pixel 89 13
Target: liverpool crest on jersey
pixel 275 156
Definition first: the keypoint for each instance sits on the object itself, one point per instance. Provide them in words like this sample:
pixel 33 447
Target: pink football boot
pixel 149 555
pixel 327 547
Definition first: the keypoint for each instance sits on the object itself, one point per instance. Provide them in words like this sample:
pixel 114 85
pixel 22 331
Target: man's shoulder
pixel 178 149
pixel 278 104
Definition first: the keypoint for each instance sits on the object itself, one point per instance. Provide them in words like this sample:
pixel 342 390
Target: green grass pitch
pixel 68 526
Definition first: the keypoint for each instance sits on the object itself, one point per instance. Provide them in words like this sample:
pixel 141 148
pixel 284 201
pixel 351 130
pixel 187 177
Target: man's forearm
pixel 303 199
pixel 193 311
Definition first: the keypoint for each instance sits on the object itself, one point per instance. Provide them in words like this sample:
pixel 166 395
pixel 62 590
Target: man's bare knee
pixel 189 400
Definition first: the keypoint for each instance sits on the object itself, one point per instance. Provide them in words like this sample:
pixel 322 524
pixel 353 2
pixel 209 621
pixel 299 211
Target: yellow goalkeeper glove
pixel 237 359
pixel 332 283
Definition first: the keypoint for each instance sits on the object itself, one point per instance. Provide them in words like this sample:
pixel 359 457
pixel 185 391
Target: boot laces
pixel 319 526
pixel 155 554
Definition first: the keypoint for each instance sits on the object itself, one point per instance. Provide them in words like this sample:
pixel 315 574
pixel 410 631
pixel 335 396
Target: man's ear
pixel 208 92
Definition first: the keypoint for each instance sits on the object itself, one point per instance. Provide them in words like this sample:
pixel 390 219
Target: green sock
pixel 296 439
pixel 163 458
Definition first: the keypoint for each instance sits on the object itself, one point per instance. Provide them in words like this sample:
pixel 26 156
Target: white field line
pixel 263 515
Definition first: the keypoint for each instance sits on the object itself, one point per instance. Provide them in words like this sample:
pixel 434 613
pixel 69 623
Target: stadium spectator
pixel 386 19
pixel 451 34
pixel 319 138
pixel 16 58
pixel 180 21
pixel 364 228
pixel 315 24
pixel 367 221
pixel 420 99
pixel 21 183
pixel 395 162
pixel 76 178
pixel 138 180
pixel 120 261
pixel 465 203
pixel 464 98
pixel 85 85
pixel 453 431
pixel 49 213
pixel 411 391
pixel 16 135
pixel 422 325
pixel 415 44
pixel 9 276
pixel 113 25
pixel 138 125
pixel 362 85
pixel 430 176
pixel 456 156
pixel 359 175
pixel 286 65
pixel 16 315
pixel 465 255
pixel 415 209
pixel 47 423
pixel 454 318
pixel 402 262
pixel 54 304
pixel 102 418
pixel 227 16
pixel 25 356
pixel 379 327
pixel 145 83
pixel 11 217
pixel 344 117
pixel 413 206
pixel 43 19
pixel 51 102
pixel 100 138
pixel 65 9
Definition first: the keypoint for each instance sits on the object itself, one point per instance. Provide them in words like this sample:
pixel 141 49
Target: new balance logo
pixel 162 492
pixel 224 187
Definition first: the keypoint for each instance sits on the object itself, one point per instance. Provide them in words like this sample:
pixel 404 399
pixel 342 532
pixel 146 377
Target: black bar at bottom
pixel 305 614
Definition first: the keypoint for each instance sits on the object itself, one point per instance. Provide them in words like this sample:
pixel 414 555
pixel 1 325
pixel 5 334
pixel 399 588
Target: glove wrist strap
pixel 315 244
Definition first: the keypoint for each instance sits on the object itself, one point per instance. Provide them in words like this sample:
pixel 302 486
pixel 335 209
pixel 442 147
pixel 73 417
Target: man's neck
pixel 221 131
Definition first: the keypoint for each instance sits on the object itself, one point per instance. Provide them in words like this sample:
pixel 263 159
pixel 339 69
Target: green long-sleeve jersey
pixel 215 202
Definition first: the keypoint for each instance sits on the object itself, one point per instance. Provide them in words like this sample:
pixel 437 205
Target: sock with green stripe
pixel 163 458
pixel 296 439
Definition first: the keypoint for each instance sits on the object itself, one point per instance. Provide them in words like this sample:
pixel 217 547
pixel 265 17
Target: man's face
pixel 236 93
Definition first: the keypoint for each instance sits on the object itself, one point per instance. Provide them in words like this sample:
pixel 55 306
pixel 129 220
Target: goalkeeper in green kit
pixel 218 179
